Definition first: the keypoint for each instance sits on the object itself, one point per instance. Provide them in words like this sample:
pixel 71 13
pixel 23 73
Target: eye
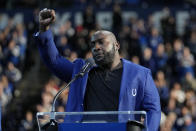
pixel 101 42
pixel 92 44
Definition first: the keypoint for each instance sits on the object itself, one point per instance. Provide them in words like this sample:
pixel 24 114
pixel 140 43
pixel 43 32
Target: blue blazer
pixel 138 91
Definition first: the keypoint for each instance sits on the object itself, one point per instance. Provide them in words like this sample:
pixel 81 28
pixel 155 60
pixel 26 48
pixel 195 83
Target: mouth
pixel 98 57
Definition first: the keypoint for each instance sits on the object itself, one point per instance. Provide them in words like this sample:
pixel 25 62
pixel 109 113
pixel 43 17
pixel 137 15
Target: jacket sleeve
pixel 57 64
pixel 151 104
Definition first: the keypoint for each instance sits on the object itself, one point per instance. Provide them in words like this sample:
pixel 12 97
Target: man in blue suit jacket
pixel 115 84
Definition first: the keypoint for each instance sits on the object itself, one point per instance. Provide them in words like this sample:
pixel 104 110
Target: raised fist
pixel 46 17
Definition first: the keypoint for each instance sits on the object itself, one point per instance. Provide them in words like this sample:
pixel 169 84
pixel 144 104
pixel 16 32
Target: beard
pixel 106 59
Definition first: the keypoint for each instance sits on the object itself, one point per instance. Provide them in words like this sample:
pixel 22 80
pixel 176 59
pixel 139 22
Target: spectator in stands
pixel 162 88
pixel 117 19
pixel 192 43
pixel 177 93
pixel 189 125
pixel 123 34
pixel 169 122
pixel 133 43
pixel 21 40
pixel 5 97
pixel 73 56
pixel 174 61
pixel 161 57
pixel 88 55
pixel 168 26
pixel 46 104
pixel 13 73
pixel 63 45
pixel 69 30
pixel 12 52
pixel 28 123
pixel 154 39
pixel 8 86
pixel 190 102
pixel 172 107
pixel 89 20
pixel 148 60
pixel 186 62
pixel 142 31
pixel 135 59
pixel 189 81
pixel 81 47
pixel 49 87
pixel 190 26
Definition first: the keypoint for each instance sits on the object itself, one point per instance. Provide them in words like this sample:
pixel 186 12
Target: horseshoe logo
pixel 134 92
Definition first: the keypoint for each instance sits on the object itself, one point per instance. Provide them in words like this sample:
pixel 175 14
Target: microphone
pixel 52 125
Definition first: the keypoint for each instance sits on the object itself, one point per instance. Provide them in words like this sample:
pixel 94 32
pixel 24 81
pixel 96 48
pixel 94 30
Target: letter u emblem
pixel 134 92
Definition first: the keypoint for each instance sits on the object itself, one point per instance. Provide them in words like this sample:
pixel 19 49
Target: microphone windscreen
pixel 91 61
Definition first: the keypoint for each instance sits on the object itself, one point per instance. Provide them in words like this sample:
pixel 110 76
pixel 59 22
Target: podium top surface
pixel 94 113
pixel 91 117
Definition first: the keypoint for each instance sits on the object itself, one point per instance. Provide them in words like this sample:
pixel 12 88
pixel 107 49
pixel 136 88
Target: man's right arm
pixel 60 66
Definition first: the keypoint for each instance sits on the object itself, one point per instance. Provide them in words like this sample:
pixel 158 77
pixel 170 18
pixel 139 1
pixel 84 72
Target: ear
pixel 117 46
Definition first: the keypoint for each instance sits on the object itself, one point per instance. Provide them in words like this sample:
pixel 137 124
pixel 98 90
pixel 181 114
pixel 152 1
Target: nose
pixel 96 47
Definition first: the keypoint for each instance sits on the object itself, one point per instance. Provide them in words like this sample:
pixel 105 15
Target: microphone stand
pixel 80 74
pixel 53 125
pixel 60 91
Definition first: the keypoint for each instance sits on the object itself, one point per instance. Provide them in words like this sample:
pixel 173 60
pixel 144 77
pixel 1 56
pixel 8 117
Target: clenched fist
pixel 46 17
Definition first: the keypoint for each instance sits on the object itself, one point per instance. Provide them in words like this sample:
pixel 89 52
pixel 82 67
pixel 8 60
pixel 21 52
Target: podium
pixel 92 121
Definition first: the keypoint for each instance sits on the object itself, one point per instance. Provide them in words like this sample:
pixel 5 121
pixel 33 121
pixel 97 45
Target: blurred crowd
pixel 13 42
pixel 170 56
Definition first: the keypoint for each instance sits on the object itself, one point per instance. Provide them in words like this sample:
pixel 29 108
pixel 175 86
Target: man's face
pixel 103 49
